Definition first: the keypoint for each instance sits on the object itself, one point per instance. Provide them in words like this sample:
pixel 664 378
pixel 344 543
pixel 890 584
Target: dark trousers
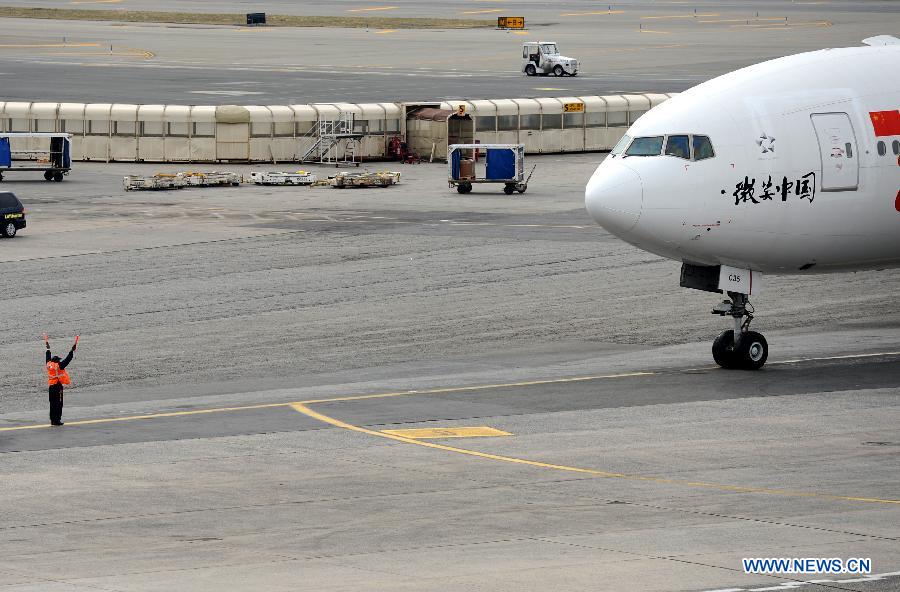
pixel 56 403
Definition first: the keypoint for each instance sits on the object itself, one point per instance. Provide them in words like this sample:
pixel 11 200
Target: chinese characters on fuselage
pixel 745 190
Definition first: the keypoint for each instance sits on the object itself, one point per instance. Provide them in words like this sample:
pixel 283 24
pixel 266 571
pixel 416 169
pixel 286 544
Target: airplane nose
pixel 614 197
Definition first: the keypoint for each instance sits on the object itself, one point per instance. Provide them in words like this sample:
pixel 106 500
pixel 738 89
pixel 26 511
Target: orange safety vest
pixel 56 375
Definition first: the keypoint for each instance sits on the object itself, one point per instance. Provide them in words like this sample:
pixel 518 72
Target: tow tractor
pixel 540 58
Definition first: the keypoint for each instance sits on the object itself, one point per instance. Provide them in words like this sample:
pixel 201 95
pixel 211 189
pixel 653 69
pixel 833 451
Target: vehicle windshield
pixel 549 48
pixel 620 146
pixel 8 200
pixel 651 146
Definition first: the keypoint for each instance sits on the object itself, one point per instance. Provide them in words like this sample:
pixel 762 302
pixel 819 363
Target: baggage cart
pixel 49 153
pixel 504 164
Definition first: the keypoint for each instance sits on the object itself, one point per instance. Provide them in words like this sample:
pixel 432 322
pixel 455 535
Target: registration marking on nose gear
pixel 436 433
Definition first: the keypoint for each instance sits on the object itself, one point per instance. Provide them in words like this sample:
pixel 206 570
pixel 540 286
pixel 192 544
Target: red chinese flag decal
pixel 886 123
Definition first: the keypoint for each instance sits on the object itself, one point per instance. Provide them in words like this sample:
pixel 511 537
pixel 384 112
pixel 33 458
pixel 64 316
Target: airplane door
pixel 837 149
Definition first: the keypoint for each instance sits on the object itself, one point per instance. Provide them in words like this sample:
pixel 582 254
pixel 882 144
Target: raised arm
pixel 64 363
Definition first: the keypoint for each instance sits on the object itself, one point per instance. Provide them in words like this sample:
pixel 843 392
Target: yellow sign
pixel 429 433
pixel 510 22
pixel 573 108
pixel 461 110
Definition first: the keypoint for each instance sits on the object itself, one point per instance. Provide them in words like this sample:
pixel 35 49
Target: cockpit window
pixel 679 146
pixel 651 146
pixel 702 148
pixel 621 145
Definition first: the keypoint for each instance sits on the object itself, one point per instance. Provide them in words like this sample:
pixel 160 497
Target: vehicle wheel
pixel 723 350
pixel 464 188
pixel 558 71
pixel 9 230
pixel 1 176
pixel 752 351
pixel 509 189
pixel 521 190
pixel 58 177
pixel 48 175
pixel 530 70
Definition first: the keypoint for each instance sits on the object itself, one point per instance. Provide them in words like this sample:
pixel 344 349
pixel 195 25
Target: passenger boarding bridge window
pixel 651 146
pixel 45 125
pixel 595 119
pixel 573 120
pixel 486 123
pixel 125 128
pixel 261 129
pixel 552 121
pixel 617 118
pixel 882 149
pixel 152 129
pixel 621 145
pixel 679 146
pixel 4 124
pixel 98 127
pixel 530 122
pixel 178 129
pixel 703 148
pixel 306 128
pixel 207 129
pixel 361 126
pixel 392 125
pixel 20 125
pixel 634 116
pixel 376 126
pixel 71 126
pixel 507 123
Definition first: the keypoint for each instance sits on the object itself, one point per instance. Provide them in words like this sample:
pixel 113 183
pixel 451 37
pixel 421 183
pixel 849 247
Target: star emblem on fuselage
pixel 766 143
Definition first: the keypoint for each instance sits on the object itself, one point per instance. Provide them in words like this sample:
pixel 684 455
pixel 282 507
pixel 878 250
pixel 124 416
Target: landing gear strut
pixel 739 348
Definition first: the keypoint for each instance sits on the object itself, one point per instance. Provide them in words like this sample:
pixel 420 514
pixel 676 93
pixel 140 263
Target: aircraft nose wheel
pixel 750 350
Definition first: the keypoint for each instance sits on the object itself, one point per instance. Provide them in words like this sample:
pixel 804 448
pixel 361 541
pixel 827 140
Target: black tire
pixel 509 189
pixel 530 70
pixel 558 71
pixel 464 188
pixel 723 350
pixel 752 351
pixel 58 177
pixel 9 230
pixel 48 175
pixel 1 176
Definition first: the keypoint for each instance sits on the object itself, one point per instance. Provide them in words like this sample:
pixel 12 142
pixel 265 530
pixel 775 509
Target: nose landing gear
pixel 739 348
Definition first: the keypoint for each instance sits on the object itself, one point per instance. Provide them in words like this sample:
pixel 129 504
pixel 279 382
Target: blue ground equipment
pixel 504 164
pixel 49 153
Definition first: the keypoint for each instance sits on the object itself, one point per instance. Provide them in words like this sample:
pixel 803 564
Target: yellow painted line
pixel 436 433
pixel 95 2
pixel 652 31
pixel 40 45
pixel 547 88
pixel 593 13
pixel 477 387
pixel 521 32
pixel 385 31
pixel 373 9
pixel 305 410
pixel 486 11
pixel 744 20
pixel 678 16
pixel 147 416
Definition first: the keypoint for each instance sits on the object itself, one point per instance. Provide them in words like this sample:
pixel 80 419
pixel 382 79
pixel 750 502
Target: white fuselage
pixel 795 184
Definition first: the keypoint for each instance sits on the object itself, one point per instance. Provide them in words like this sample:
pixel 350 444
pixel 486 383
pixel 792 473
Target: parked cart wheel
pixel 464 188
pixel 58 176
pixel 48 175
pixel 1 176
pixel 509 189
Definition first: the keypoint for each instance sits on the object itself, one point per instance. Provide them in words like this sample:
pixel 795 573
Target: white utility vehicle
pixel 542 58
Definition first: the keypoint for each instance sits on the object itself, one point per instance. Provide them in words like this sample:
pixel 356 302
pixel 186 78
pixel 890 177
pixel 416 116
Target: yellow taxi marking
pixel 303 408
pixel 486 11
pixel 678 16
pixel 95 2
pixel 592 13
pixel 385 31
pixel 521 32
pixel 652 31
pixel 744 20
pixel 373 9
pixel 548 88
pixel 438 433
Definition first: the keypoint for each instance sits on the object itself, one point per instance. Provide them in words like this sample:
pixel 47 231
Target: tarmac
pixel 248 355
pixel 622 48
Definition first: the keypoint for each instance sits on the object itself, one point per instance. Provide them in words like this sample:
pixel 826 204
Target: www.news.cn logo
pixel 807 565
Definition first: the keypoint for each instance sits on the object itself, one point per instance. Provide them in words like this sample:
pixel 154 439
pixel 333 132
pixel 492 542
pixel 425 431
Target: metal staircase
pixel 336 142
